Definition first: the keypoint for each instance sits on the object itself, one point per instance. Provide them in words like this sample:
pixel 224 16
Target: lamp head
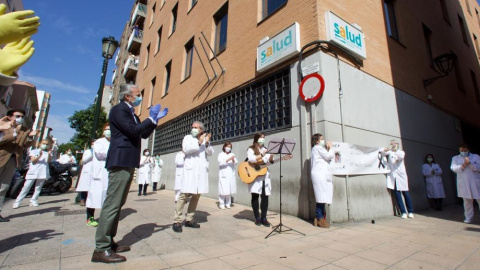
pixel 109 46
pixel 444 62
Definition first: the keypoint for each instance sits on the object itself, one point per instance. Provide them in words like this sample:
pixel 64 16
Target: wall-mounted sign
pixel 279 47
pixel 345 35
pixel 312 87
pixel 315 67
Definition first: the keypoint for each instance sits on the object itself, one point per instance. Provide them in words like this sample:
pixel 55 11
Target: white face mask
pixel 228 149
pixel 107 133
pixel 194 132
pixel 43 147
pixel 322 142
pixel 69 153
pixel 19 120
pixel 147 153
pixel 430 159
pixel 261 141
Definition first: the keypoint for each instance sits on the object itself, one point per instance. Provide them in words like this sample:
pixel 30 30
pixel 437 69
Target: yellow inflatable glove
pixel 14 55
pixel 17 25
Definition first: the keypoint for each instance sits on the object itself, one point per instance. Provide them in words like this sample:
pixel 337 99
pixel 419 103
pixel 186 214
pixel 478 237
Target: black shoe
pixel 2 219
pixel 258 222
pixel 192 224
pixel 139 194
pixel 265 222
pixel 107 256
pixel 144 194
pixel 177 227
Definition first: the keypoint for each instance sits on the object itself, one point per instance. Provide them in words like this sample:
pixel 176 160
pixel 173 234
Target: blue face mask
pixel 464 154
pixel 137 101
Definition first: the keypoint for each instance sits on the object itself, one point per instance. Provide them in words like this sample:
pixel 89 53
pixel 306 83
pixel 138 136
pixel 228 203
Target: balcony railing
pixel 140 10
pixel 135 37
pixel 131 65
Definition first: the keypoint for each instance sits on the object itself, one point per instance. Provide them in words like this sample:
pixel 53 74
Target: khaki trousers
pixel 6 175
pixel 192 206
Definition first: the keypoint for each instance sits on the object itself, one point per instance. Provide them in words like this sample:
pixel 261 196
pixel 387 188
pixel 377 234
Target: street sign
pixel 312 87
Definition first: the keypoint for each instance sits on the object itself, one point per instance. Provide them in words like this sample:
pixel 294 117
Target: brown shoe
pixel 82 202
pixel 315 222
pixel 323 223
pixel 119 249
pixel 107 256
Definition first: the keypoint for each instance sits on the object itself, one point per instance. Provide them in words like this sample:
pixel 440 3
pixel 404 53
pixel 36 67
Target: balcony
pixel 138 16
pixel 131 67
pixel 135 41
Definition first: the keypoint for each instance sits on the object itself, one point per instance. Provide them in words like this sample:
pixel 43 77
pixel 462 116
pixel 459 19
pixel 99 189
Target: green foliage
pixel 82 123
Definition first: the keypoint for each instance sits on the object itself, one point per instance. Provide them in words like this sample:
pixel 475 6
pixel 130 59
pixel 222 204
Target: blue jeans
pixel 408 201
pixel 320 212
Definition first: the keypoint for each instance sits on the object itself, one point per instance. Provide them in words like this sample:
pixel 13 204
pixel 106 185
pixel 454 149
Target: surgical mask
pixel 43 147
pixel 430 159
pixel 228 149
pixel 322 142
pixel 147 153
pixel 137 101
pixel 69 153
pixel 19 120
pixel 464 154
pixel 107 133
pixel 194 132
pixel 261 141
pixel 157 157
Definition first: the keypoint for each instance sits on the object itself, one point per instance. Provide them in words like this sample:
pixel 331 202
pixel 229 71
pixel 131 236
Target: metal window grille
pixel 262 106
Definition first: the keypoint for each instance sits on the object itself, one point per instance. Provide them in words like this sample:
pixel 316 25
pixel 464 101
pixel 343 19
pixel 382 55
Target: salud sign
pixel 345 35
pixel 279 48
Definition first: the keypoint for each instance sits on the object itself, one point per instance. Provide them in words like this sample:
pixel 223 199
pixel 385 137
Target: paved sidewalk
pixel 54 236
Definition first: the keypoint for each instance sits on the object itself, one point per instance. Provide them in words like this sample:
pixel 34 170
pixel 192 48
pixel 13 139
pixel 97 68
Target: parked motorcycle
pixel 60 179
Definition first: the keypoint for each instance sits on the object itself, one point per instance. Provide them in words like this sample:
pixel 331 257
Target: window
pixel 264 105
pixel 153 13
pixel 391 19
pixel 427 34
pixel 174 19
pixel 462 28
pixel 188 59
pixel 147 54
pixel 192 4
pixel 152 90
pixel 8 98
pixel 475 86
pixel 141 104
pixel 270 6
pixel 458 75
pixel 221 26
pixel 468 7
pixel 478 17
pixel 443 4
pixel 168 69
pixel 159 40
pixel 475 40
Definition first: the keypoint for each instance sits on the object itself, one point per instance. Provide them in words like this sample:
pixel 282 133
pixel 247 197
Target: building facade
pixel 42 116
pixel 237 67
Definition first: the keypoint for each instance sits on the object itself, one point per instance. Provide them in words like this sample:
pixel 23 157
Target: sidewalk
pixel 54 236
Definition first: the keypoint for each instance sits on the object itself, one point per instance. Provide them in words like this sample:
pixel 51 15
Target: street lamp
pixel 109 46
pixel 444 64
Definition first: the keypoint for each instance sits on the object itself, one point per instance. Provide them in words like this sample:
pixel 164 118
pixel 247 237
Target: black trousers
pixel 263 204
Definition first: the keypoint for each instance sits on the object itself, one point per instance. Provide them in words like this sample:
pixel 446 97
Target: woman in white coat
pixel 84 181
pixel 397 179
pixel 433 179
pixel 157 171
pixel 97 191
pixel 144 171
pixel 37 173
pixel 179 162
pixel 322 181
pixel 226 176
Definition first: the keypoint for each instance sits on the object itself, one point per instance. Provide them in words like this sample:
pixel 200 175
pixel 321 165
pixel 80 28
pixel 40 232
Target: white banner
pixel 353 159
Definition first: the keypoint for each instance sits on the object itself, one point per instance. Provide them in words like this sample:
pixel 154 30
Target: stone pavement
pixel 54 236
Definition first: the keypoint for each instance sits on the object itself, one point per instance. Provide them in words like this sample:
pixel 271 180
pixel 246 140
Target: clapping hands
pixel 17 25
pixel 15 54
pixel 157 113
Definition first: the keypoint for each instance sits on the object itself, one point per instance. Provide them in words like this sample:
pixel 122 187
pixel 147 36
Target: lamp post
pixel 109 46
pixel 444 64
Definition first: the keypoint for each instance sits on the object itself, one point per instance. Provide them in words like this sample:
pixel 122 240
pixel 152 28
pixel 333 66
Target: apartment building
pixel 43 98
pixel 391 69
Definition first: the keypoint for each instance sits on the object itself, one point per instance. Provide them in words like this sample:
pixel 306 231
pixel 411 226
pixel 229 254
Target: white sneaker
pixel 467 221
pixel 410 215
pixel 404 215
pixel 15 205
pixel 228 207
pixel 222 207
pixel 34 204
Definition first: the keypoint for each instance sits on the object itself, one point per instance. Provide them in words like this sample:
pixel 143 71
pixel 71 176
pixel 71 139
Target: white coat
pixel 398 173
pixel 86 174
pixel 157 170
pixel 433 179
pixel 226 176
pixel 256 186
pixel 97 192
pixel 468 179
pixel 195 169
pixel 144 171
pixel 322 179
pixel 179 162
pixel 39 170
pixel 66 159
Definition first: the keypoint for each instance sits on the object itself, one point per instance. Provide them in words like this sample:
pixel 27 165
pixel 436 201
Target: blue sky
pixel 68 53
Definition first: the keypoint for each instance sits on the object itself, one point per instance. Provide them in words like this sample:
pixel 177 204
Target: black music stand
pixel 280 147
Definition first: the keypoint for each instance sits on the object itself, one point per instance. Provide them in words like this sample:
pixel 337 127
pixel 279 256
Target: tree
pixel 82 123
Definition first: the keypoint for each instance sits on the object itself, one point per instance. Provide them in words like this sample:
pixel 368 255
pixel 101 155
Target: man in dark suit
pixel 122 159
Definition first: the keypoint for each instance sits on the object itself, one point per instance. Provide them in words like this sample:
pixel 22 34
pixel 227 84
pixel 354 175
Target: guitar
pixel 248 172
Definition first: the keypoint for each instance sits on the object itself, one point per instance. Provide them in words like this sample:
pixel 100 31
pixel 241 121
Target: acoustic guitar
pixel 248 172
